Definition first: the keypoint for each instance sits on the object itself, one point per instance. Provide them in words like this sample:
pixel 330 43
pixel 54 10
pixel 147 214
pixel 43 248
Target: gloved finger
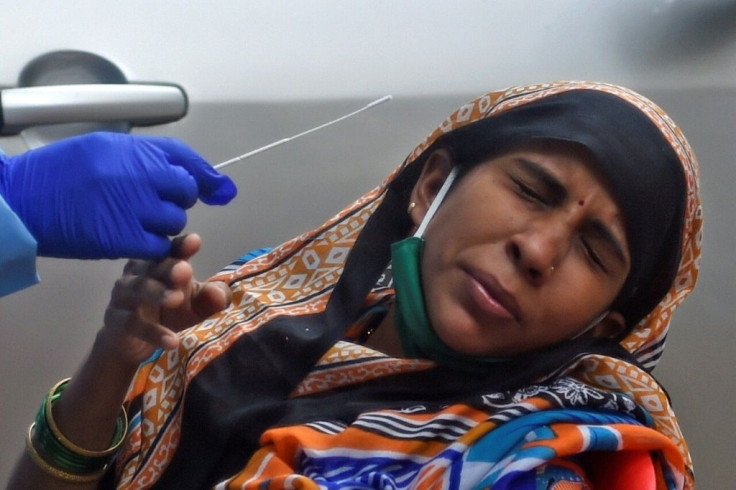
pixel 177 185
pixel 163 218
pixel 147 245
pixel 139 244
pixel 214 187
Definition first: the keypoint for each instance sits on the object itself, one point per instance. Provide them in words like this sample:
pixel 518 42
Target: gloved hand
pixel 109 195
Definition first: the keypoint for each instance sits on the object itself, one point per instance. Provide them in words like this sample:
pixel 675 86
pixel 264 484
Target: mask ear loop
pixel 590 325
pixel 436 202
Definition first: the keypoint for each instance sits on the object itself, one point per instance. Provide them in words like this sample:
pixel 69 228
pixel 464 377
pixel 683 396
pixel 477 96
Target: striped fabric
pixel 493 441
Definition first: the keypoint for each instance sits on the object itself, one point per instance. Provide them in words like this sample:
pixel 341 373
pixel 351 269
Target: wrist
pixel 122 355
pixel 108 354
pixel 12 189
pixel 61 457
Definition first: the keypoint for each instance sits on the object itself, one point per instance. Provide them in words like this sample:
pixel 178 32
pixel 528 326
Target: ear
pixel 435 171
pixel 610 326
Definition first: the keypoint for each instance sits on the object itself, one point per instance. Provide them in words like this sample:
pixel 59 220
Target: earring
pixel 411 207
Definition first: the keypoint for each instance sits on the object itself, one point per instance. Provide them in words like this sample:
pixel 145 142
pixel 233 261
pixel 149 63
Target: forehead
pixel 555 148
pixel 559 157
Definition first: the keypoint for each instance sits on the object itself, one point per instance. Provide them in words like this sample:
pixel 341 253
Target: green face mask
pixel 418 338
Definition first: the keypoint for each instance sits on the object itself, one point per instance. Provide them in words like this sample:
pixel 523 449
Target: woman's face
pixel 526 251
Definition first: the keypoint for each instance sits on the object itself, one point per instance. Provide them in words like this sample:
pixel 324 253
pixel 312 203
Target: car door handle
pixel 139 104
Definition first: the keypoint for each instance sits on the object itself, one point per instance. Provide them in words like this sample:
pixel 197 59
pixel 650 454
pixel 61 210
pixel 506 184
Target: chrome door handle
pixel 135 103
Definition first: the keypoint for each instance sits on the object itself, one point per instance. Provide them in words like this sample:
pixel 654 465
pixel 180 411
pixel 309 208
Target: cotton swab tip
pixel 383 99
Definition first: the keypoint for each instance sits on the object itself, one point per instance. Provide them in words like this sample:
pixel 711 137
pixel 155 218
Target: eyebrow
pixel 558 193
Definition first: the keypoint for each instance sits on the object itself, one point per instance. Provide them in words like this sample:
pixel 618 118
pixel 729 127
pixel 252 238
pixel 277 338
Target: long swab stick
pixel 286 140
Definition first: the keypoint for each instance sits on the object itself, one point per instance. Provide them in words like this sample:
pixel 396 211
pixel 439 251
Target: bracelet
pixel 54 471
pixel 60 457
pixel 121 428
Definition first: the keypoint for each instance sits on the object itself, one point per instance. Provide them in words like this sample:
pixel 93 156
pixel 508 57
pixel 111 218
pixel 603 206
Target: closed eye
pixel 592 254
pixel 538 183
pixel 602 246
pixel 528 192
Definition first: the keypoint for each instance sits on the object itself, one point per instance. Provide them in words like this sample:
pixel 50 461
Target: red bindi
pixel 581 202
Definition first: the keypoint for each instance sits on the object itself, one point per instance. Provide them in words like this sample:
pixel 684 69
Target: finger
pixel 130 292
pixel 172 271
pixel 126 323
pixel 214 188
pixel 147 246
pixel 180 279
pixel 163 218
pixel 136 266
pixel 171 182
pixel 186 246
pixel 210 297
pixel 165 281
pixel 149 316
pixel 165 284
pixel 178 186
pixel 156 269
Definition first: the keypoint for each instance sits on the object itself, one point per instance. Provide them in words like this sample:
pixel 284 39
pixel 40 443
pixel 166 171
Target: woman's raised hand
pixel 155 299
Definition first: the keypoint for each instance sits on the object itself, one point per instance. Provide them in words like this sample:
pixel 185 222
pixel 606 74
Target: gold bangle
pixel 56 472
pixel 69 444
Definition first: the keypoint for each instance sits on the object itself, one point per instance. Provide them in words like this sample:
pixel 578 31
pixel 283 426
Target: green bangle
pixel 56 451
pixel 54 471
pixel 121 428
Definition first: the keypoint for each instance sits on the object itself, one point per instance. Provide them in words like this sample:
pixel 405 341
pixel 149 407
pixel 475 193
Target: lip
pixel 490 296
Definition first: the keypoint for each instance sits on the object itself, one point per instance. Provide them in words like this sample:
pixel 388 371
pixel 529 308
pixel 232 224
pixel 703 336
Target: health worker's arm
pixel 109 195
pixel 149 304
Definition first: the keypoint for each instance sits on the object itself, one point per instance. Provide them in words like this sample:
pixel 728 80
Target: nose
pixel 539 248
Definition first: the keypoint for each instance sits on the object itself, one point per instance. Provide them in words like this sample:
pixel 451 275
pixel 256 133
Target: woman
pixel 486 318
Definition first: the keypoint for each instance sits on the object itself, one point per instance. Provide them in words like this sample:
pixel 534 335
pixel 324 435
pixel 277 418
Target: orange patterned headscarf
pixel 646 338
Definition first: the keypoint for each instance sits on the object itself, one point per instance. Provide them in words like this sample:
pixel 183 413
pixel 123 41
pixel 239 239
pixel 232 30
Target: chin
pixel 469 347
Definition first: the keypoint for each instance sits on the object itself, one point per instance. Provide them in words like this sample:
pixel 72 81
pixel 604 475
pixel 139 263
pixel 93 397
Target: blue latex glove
pixel 109 195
